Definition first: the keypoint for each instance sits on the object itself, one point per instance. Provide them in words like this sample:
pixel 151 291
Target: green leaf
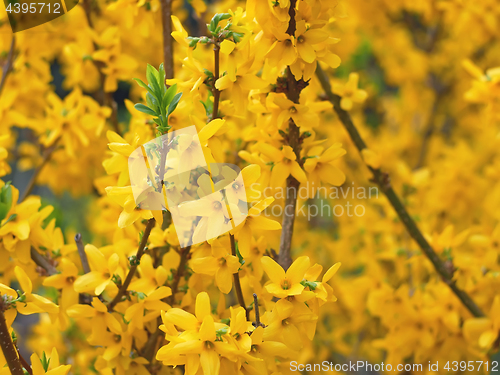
pixel 161 80
pixel 144 109
pixel 237 36
pixel 192 41
pixel 141 295
pixel 173 103
pixel 309 284
pixel 5 200
pixel 154 80
pixel 11 217
pixel 45 362
pixel 212 27
pixel 152 102
pixel 143 85
pixel 221 331
pixel 169 95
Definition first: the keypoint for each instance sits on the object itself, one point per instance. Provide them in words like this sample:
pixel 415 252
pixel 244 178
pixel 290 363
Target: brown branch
pixel 81 253
pixel 237 283
pixel 383 181
pixel 43 262
pixel 185 255
pixel 215 114
pixel 257 322
pixel 293 138
pixel 24 362
pixel 47 154
pixel 8 348
pixel 215 91
pixel 168 45
pixel 104 98
pixel 133 267
pixel 440 92
pixel 8 65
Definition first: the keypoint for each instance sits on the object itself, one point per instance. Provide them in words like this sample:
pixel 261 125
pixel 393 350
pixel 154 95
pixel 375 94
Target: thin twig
pixel 168 45
pixel 293 138
pixel 43 262
pixel 104 98
pixel 215 91
pixel 185 255
pixel 25 363
pixel 383 181
pixel 237 283
pixel 82 253
pixel 133 268
pixel 47 154
pixel 8 65
pixel 8 348
pixel 257 312
pixel 215 114
pixel 440 92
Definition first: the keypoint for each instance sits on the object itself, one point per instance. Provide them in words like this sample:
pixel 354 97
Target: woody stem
pixel 383 181
pixel 8 348
pixel 293 139
pixel 237 283
pixel 133 268
pixel 8 65
pixel 168 45
pixel 216 92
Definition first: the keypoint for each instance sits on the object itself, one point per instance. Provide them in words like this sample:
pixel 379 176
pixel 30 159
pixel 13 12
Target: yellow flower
pixel 24 229
pixel 150 277
pixel 320 165
pixel 350 93
pixel 220 264
pixel 282 323
pixel 282 51
pixel 101 319
pixel 119 66
pixel 131 213
pixel 284 284
pixel 121 150
pixel 4 166
pixel 306 39
pixel 284 109
pixel 136 313
pixel 52 363
pixel 254 221
pixel 264 349
pixel 285 164
pixel 197 345
pixel 101 274
pixel 371 158
pixel 484 331
pixel 64 281
pixel 240 84
pixel 32 303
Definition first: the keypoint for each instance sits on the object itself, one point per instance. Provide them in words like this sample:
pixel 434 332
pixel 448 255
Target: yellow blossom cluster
pixel 281 195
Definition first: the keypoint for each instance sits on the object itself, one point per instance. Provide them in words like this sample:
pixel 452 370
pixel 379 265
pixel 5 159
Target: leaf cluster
pixel 161 101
